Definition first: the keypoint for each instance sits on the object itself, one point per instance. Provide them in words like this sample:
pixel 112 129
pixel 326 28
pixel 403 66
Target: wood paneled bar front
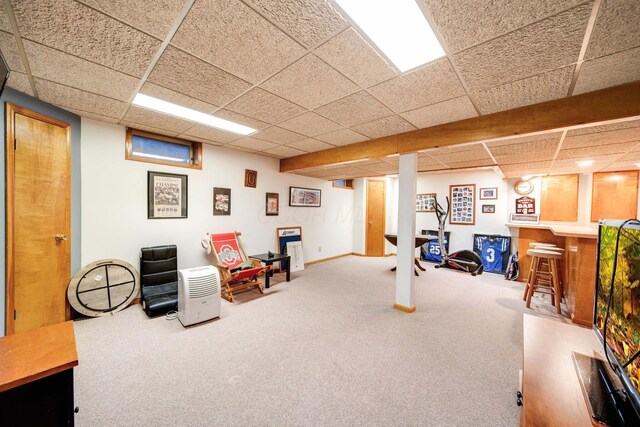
pixel 579 263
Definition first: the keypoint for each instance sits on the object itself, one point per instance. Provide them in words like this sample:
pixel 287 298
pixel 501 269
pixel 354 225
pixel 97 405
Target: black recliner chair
pixel 159 279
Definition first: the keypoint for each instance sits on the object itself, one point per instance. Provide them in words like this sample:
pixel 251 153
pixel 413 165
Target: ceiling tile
pixel 252 144
pixel 193 77
pixel 68 97
pixel 614 133
pixel 9 49
pixel 310 124
pixel 152 129
pixel 443 112
pixel 525 169
pixel 5 25
pixel 156 120
pixel 466 153
pixel 544 46
pixel 153 17
pixel 427 85
pixel 284 151
pixel 464 23
pixel 531 90
pixel 307 22
pixel 243 43
pixel 309 145
pixel 350 54
pixel 595 150
pixel 169 95
pixel 81 31
pixel 223 113
pixel 525 149
pixel 20 82
pixel 619 68
pixel 621 166
pixel 383 127
pixel 342 137
pixel 470 164
pixel 212 134
pixel 59 67
pixel 272 155
pixel 310 82
pixel 93 116
pixel 617 28
pixel 198 139
pixel 243 149
pixel 265 106
pixel 355 109
pixel 278 135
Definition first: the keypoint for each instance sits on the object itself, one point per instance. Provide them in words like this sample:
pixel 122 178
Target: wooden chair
pixel 229 254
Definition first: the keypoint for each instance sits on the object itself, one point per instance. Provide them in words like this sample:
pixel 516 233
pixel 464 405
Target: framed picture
pixel 273 204
pixel 166 195
pixel 488 208
pixel 250 178
pixel 426 202
pixel 463 204
pixel 490 193
pixel 221 201
pixel 308 197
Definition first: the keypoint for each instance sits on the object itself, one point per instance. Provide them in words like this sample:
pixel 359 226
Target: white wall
pixel 486 223
pixel 114 204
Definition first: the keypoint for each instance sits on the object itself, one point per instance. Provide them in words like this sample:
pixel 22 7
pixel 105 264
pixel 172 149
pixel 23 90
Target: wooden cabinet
pixel 36 379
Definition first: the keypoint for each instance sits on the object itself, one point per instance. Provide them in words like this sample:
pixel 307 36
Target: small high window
pixel 343 183
pixel 164 150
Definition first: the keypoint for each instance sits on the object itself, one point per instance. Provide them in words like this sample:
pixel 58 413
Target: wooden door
pixel 375 218
pixel 38 219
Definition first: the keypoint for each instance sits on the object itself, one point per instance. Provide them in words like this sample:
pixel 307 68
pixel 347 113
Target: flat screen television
pixel 4 72
pixel 616 319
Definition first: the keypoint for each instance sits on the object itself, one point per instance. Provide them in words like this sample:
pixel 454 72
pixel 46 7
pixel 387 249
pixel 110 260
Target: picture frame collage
pixel 462 198
pixel 426 202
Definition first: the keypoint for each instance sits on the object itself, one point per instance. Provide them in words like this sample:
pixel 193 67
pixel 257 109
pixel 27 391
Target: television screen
pixel 623 323
pixel 4 72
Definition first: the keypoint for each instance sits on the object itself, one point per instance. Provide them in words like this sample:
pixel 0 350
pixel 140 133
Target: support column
pixel 406 232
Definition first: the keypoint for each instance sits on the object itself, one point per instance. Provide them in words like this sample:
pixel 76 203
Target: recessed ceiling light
pixel 189 114
pixel 398 28
pixel 585 163
pixel 638 165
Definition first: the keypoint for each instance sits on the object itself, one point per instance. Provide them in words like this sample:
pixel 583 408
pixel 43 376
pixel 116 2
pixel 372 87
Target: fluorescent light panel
pixel 189 114
pixel 398 28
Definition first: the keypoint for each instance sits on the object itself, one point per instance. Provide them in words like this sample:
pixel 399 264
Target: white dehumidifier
pixel 198 294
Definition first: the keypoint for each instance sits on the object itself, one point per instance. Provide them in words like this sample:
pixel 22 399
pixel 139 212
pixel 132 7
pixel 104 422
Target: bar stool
pixel 546 282
pixel 543 265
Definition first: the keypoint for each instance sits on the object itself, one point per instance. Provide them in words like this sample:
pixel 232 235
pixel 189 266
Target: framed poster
pixel 286 235
pixel 308 197
pixel 272 204
pixel 525 205
pixel 166 195
pixel 463 204
pixel 426 202
pixel 294 250
pixel 488 208
pixel 221 201
pixel 490 193
pixel 250 178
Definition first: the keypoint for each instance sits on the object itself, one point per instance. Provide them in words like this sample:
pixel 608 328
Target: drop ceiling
pixel 303 76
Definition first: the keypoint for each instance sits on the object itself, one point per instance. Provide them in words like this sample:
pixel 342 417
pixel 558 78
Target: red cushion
pixel 227 248
pixel 245 274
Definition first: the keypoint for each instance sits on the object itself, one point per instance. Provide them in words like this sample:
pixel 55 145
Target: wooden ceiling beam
pixel 604 105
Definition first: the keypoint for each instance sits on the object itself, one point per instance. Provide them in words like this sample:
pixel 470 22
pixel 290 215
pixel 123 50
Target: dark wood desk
pixel 551 390
pixel 267 260
pixel 36 376
pixel 420 240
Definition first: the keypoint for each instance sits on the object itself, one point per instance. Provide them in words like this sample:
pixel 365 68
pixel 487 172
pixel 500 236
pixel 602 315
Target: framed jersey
pixel 494 251
pixel 430 251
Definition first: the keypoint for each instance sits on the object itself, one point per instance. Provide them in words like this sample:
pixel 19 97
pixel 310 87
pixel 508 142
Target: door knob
pixel 61 237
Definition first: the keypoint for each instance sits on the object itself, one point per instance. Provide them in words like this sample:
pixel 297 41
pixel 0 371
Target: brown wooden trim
pixel 404 308
pixel 10 111
pixel 603 105
pixel 357 254
pixel 327 259
pixel 196 147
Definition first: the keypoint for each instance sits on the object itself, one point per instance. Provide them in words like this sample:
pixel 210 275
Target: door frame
pixel 384 216
pixel 10 143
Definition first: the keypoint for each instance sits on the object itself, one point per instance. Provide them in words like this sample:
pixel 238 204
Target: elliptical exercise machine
pixel 467 261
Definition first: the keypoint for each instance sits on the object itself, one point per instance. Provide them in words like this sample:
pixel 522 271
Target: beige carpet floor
pixel 325 349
